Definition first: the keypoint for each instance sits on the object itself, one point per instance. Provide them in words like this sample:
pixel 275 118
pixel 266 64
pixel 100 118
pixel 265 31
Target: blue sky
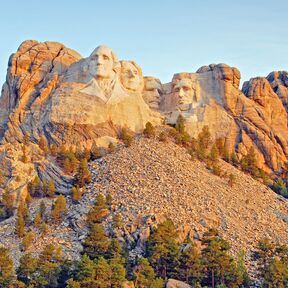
pixel 163 37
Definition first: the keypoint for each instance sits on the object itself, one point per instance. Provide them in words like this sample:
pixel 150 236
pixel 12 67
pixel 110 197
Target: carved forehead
pixel 131 65
pixel 104 50
pixel 183 83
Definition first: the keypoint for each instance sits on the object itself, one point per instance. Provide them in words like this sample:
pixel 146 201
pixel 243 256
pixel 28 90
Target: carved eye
pixel 177 89
pixel 105 57
pixel 186 88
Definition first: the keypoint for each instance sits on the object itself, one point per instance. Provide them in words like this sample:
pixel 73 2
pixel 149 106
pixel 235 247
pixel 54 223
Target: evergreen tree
pixel 215 256
pixel 143 274
pixel 59 208
pixel 249 162
pixel 51 189
pixel 27 240
pixel 38 220
pixel 8 202
pixel 43 144
pixel 162 249
pixel 126 137
pixel 99 212
pixel 20 225
pixel 85 269
pixel 42 209
pixel 180 124
pixel 111 147
pixel 76 194
pixel 83 175
pixel 7 273
pixel 231 180
pixel 97 243
pixel 117 221
pixel 27 268
pixel 214 154
pixel 220 146
pixel 149 130
pixel 190 264
pixel 103 274
pixel 24 157
pixel 118 273
pixel 204 138
pixel 35 188
pixel 49 264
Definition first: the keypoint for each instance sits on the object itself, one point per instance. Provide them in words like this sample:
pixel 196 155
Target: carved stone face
pixel 152 92
pixel 183 89
pixel 131 76
pixel 103 62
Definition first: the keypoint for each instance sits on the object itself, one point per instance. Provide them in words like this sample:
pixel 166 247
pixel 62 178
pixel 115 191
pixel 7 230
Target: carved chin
pixel 131 86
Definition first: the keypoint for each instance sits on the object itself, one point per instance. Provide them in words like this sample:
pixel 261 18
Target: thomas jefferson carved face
pixel 131 76
pixel 183 89
pixel 103 63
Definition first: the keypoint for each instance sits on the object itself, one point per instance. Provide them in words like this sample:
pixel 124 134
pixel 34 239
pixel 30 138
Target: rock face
pixel 51 91
pixel 172 283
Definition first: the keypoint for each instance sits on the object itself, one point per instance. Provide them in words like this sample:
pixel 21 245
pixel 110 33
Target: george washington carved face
pixel 103 63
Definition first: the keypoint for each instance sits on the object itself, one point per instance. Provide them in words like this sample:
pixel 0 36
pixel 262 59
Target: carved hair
pixel 116 66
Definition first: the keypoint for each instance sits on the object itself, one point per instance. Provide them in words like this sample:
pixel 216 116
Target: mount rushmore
pixel 51 91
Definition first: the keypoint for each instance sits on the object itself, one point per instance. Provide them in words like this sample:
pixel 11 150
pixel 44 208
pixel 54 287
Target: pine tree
pixel 49 262
pixel 180 124
pixel 76 193
pixel 249 162
pixel 118 273
pixel 117 221
pixel 42 209
pixel 97 243
pixel 190 264
pixel 215 256
pixel 83 175
pixel 7 273
pixel 204 138
pixel 35 188
pixel 99 212
pixel 59 208
pixel 51 188
pixel 8 202
pixel 27 240
pixel 24 157
pixel 163 250
pixel 126 137
pixel 27 268
pixel 38 220
pixel 231 180
pixel 20 226
pixel 143 274
pixel 103 274
pixel 220 146
pixel 43 144
pixel 149 130
pixel 85 268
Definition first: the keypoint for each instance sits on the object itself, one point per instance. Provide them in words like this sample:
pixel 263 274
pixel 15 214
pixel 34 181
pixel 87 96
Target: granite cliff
pixel 53 92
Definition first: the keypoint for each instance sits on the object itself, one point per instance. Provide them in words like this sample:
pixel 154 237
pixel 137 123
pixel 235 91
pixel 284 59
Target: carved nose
pixel 181 93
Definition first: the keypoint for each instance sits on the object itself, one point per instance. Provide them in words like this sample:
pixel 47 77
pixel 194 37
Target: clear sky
pixel 163 37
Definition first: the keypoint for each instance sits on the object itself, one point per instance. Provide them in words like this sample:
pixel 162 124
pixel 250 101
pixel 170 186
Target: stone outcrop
pixel 51 91
pixel 172 283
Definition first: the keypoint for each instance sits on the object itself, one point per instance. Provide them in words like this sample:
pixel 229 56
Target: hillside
pixel 150 180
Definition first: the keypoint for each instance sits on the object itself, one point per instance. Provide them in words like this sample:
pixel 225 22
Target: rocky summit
pixel 51 91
